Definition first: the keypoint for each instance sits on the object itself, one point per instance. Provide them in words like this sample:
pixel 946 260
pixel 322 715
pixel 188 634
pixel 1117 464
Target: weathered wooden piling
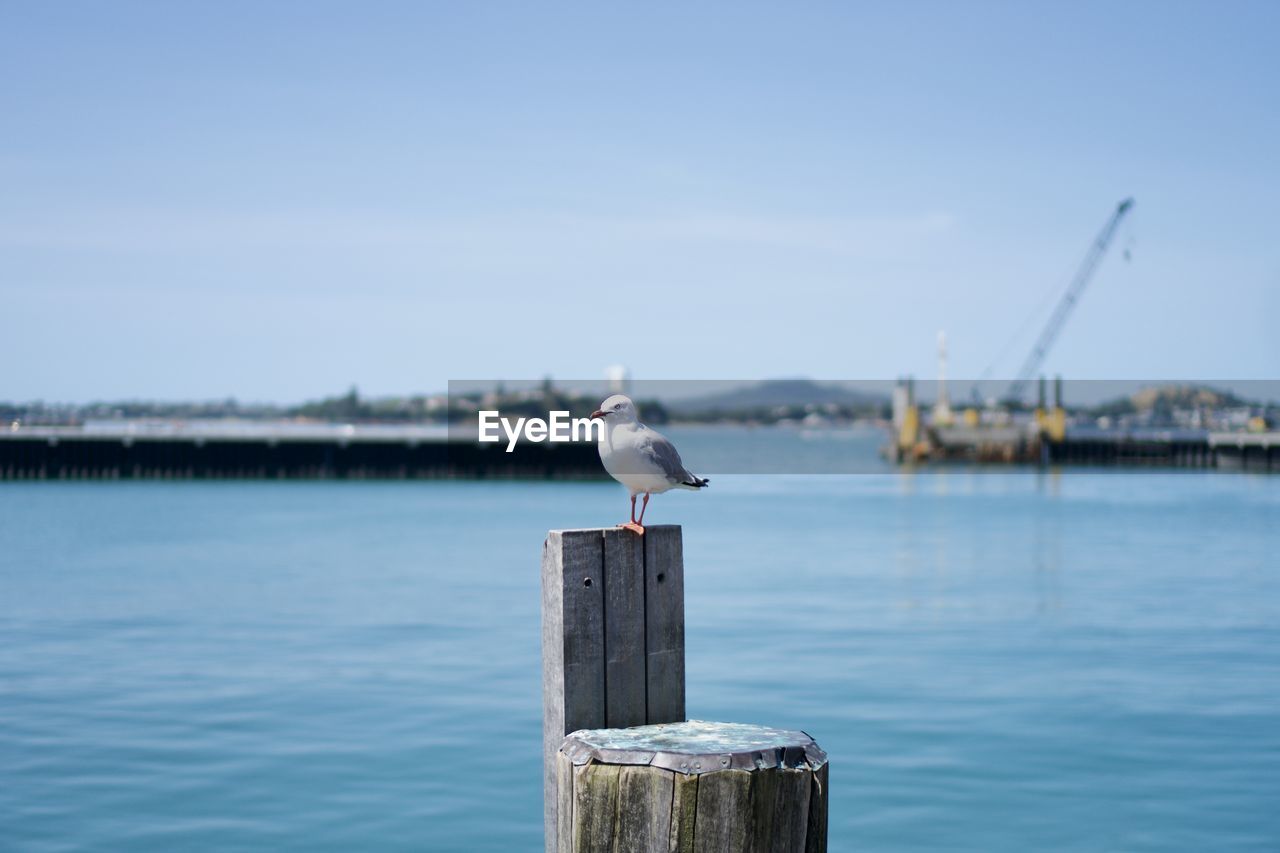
pixel 691 787
pixel 612 636
pixel 613 678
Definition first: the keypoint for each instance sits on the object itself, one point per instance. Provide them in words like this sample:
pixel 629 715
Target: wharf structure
pixel 252 450
pixel 1045 437
pixel 1023 444
pixel 417 452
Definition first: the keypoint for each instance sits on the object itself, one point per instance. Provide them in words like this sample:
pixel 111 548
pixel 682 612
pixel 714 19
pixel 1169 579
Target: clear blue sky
pixel 274 201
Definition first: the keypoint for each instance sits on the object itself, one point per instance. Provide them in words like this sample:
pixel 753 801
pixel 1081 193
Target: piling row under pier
pixel 35 454
pixel 44 457
pixel 1227 451
pixel 1132 449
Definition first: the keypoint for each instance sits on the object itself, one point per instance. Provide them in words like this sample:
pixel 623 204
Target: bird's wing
pixel 662 453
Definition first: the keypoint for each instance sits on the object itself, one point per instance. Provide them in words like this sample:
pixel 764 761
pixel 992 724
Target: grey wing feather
pixel 665 456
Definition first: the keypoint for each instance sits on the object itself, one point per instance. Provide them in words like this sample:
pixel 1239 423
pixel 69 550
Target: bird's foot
pixel 633 527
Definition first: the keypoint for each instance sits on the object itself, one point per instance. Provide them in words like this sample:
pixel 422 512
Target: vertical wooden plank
pixel 582 558
pixel 563 839
pixel 612 638
pixel 595 807
pixel 552 682
pixel 791 811
pixel 572 649
pixel 723 822
pixel 684 811
pixel 664 623
pixel 816 833
pixel 624 629
pixel 764 793
pixel 644 809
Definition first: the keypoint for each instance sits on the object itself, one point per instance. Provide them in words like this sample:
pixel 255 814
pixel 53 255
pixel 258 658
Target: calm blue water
pixel 995 661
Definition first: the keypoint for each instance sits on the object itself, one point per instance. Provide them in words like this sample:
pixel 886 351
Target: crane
pixel 1087 268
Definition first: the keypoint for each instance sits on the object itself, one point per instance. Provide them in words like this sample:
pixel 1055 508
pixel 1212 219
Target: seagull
pixel 639 458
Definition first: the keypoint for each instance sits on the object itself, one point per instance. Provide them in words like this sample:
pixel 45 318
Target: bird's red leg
pixel 643 507
pixel 633 525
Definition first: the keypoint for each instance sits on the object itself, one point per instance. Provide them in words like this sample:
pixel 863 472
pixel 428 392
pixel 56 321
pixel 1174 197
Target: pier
pixel 1246 451
pixel 1145 448
pixel 1235 451
pixel 1112 448
pixel 1238 451
pixel 375 452
pixel 1046 438
pixel 260 451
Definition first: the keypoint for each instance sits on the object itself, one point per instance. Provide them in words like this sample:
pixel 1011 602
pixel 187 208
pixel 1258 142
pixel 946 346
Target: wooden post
pixel 612 638
pixel 692 788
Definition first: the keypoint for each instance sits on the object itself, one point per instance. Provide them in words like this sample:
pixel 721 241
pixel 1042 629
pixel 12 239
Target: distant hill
pixel 1170 397
pixel 771 393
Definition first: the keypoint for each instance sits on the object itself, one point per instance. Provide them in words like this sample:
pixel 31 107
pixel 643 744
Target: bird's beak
pixel 596 414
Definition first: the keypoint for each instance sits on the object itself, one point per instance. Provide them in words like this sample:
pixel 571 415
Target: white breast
pixel 620 453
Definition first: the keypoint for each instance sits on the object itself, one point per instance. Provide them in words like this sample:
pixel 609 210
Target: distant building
pixel 942 406
pixel 619 378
